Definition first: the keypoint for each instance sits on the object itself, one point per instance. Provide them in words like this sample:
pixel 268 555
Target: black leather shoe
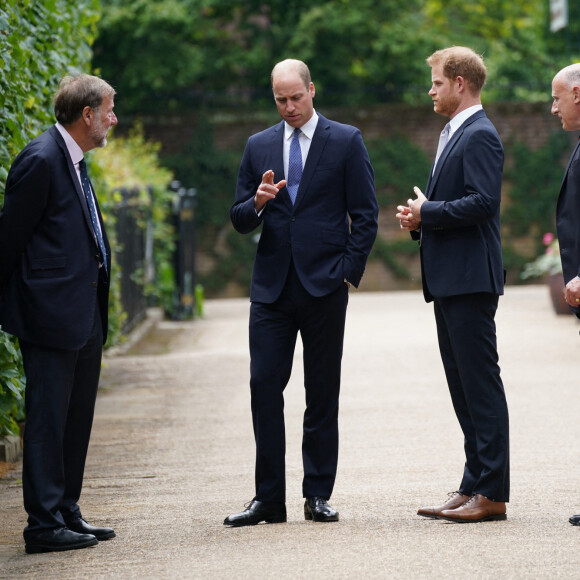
pixel 81 527
pixel 59 540
pixel 256 512
pixel 318 510
pixel 575 520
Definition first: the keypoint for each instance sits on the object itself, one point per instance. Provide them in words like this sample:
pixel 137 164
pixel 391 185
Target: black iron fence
pixel 131 255
pixel 135 253
pixel 184 216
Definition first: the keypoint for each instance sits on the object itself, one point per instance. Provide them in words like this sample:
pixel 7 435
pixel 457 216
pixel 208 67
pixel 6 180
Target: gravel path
pixel 172 454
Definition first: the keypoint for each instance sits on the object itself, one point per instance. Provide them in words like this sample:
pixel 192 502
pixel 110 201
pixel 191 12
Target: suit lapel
pixel 441 161
pixel 321 135
pixel 276 149
pixel 450 145
pixel 73 175
pixel 572 157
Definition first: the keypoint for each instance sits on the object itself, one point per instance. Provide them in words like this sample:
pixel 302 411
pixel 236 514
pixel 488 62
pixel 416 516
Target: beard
pixel 448 105
pixel 99 133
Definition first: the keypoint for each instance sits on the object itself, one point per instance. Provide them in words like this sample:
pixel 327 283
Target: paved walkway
pixel 172 455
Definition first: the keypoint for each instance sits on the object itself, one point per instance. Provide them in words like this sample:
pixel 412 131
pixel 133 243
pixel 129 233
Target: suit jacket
pixel 568 218
pixel 50 283
pixel 460 225
pixel 329 231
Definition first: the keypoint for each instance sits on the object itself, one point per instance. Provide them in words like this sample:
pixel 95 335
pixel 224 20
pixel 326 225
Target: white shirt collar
pixel 75 152
pixel 308 128
pixel 460 118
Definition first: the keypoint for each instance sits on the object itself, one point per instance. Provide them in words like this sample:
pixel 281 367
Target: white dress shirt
pixel 76 154
pixel 305 139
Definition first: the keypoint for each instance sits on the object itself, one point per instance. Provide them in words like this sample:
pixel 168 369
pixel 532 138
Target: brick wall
pixel 529 122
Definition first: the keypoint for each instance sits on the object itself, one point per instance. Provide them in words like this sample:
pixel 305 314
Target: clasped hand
pixel 410 215
pixel 573 292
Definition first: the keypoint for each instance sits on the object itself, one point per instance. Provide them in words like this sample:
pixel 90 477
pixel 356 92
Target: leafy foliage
pixel 398 165
pixel 178 53
pixel 511 35
pixel 212 173
pixel 133 163
pixel 12 385
pixel 535 180
pixel 179 49
pixel 39 43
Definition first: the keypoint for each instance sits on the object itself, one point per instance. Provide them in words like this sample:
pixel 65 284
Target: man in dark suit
pixel 54 285
pixel 566 105
pixel 319 225
pixel 457 222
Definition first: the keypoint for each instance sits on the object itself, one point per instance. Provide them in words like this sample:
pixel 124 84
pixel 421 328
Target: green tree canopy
pixel 175 53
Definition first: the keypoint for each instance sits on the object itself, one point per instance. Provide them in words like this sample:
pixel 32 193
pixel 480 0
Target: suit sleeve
pixel 482 164
pixel 243 214
pixel 362 209
pixel 25 200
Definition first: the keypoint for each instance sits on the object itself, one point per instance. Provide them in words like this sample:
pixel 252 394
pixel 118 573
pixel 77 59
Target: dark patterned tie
pixel 294 166
pixel 93 211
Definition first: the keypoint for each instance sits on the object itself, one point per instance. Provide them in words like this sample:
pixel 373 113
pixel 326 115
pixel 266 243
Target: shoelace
pixel 470 500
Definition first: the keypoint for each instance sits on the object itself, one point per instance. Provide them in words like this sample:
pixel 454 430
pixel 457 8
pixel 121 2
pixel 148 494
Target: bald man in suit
pixel 566 105
pixel 309 183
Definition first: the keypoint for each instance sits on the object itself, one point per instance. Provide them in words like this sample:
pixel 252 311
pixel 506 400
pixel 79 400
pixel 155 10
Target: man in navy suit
pixel 566 105
pixel 457 223
pixel 319 225
pixel 54 285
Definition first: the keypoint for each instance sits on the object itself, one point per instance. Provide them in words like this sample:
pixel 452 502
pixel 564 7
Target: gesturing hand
pixel 267 190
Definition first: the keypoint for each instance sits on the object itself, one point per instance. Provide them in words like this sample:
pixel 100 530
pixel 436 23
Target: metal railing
pixel 135 253
pixel 131 255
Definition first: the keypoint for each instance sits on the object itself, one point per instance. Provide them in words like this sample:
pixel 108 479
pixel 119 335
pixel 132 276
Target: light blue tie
pixel 93 211
pixel 294 166
pixel 443 138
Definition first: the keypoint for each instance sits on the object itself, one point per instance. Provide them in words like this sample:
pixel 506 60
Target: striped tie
pixel 93 211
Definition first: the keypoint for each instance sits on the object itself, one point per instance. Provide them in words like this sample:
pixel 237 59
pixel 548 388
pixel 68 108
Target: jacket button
pixel 94 284
pixel 293 219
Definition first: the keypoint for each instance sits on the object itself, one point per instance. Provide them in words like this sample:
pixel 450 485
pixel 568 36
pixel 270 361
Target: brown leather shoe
pixel 477 509
pixel 454 500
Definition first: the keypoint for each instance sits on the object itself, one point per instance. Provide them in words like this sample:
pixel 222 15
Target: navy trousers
pixel 468 346
pixel 61 391
pixel 273 332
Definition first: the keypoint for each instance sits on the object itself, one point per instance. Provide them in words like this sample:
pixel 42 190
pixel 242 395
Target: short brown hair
pixel 460 61
pixel 75 92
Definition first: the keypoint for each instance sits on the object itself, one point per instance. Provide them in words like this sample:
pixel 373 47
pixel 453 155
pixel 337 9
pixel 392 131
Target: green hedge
pixel 39 42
